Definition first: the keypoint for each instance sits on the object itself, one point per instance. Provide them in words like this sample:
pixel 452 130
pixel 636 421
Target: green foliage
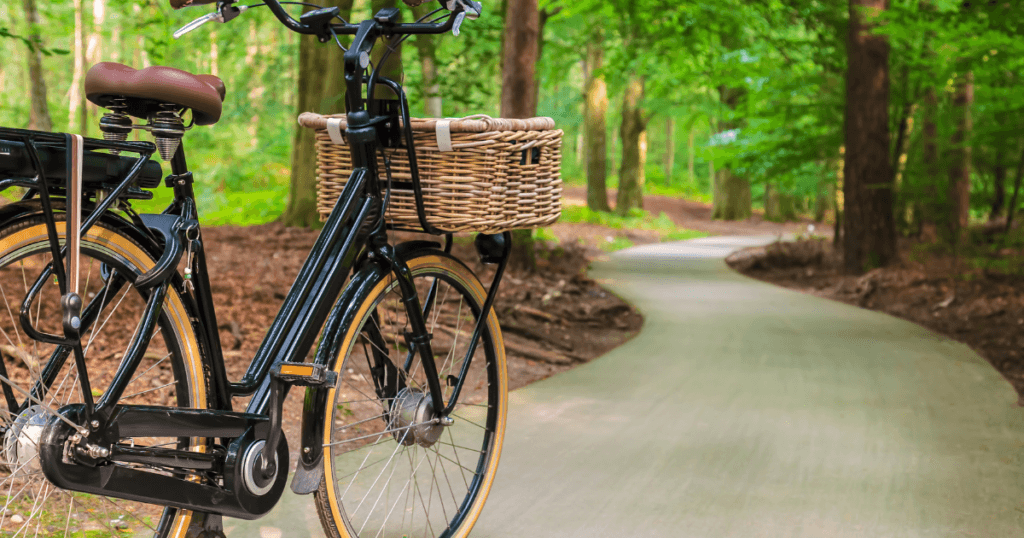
pixel 786 58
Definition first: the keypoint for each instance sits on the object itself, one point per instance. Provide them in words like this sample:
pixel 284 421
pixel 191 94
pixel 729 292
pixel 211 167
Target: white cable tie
pixel 334 129
pixel 444 135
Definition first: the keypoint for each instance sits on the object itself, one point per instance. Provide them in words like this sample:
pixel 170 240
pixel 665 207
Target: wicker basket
pixel 497 175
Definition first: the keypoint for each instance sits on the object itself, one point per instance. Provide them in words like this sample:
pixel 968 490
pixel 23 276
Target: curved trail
pixel 746 410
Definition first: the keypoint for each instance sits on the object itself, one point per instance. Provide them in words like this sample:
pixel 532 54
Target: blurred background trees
pixel 886 118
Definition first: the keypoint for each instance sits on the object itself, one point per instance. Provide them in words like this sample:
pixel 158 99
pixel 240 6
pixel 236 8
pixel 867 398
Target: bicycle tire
pixel 172 373
pixel 476 424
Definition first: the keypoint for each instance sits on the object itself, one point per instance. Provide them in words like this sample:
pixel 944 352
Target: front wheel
pixel 391 467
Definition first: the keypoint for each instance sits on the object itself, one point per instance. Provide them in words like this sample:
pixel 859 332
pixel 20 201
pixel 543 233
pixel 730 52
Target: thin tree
pixel 595 129
pixel 426 46
pixel 40 116
pixel 960 158
pixel 633 131
pixel 869 238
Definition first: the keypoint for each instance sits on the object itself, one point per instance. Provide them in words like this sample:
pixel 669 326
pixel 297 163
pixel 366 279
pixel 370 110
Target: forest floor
pixel 686 214
pixel 967 298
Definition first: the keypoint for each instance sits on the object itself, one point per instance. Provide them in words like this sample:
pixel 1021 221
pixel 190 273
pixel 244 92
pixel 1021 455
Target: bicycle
pixel 115 400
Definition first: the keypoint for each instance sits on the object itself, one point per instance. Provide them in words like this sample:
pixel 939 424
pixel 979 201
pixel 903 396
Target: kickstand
pixel 212 527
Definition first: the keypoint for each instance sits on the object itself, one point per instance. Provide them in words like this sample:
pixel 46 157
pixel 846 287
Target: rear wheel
pixel 171 374
pixel 392 467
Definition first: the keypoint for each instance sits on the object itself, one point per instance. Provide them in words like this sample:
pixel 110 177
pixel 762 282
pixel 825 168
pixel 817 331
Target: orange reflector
pixel 297 369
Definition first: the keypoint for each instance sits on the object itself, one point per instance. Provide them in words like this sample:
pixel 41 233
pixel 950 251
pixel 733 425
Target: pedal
pixel 303 375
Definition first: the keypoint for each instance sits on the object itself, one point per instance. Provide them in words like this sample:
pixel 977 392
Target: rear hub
pixel 21 442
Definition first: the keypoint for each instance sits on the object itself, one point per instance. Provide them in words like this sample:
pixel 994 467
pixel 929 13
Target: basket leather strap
pixel 334 130
pixel 76 149
pixel 443 130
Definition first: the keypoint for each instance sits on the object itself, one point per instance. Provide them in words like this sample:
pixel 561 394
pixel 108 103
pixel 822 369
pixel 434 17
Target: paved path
pixel 745 410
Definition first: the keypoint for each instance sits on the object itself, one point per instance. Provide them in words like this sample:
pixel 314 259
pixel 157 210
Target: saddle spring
pixel 116 124
pixel 168 128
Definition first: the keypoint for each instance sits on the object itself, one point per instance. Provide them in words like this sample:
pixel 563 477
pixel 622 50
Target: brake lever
pixel 225 12
pixel 466 9
pixel 472 8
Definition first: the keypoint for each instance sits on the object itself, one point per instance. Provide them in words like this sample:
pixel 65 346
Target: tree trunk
pixel 427 48
pixel 542 20
pixel 960 159
pixel 520 50
pixel 731 195
pixel 77 122
pixel 595 128
pixel 690 147
pixel 778 206
pixel 320 71
pixel 519 59
pixel 40 116
pixel 633 132
pixel 1012 206
pixel 869 235
pixel 670 149
pixel 998 184
pixel 94 54
pixel 929 207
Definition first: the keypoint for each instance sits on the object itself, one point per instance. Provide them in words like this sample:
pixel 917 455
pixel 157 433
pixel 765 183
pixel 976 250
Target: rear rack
pixel 28 156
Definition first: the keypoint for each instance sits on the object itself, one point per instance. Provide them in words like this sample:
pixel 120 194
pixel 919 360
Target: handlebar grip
pixel 178 4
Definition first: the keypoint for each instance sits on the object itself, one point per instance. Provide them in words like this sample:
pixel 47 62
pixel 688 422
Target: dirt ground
pixel 982 309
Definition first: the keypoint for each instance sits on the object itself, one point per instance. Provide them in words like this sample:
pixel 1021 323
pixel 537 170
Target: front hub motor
pixel 21 442
pixel 413 419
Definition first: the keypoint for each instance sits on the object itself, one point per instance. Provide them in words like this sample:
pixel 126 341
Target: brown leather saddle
pixel 147 91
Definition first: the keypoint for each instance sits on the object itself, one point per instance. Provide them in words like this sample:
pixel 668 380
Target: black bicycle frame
pixel 320 280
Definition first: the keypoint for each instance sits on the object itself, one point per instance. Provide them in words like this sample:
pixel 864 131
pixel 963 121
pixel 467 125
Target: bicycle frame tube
pixel 320 280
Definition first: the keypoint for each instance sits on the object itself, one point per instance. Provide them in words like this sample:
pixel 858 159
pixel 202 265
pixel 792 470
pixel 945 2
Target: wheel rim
pixel 382 482
pixel 167 375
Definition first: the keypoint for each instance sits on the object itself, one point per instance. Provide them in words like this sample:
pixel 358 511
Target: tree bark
pixel 731 198
pixel 690 147
pixel 670 149
pixel 960 159
pixel 731 195
pixel 40 115
pixel 427 48
pixel 519 59
pixel 520 51
pixel 869 235
pixel 998 184
pixel 633 132
pixel 320 71
pixel 1011 208
pixel 929 207
pixel 595 127
pixel 94 54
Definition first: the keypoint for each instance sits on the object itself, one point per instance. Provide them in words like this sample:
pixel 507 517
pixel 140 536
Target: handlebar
pixel 319 23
